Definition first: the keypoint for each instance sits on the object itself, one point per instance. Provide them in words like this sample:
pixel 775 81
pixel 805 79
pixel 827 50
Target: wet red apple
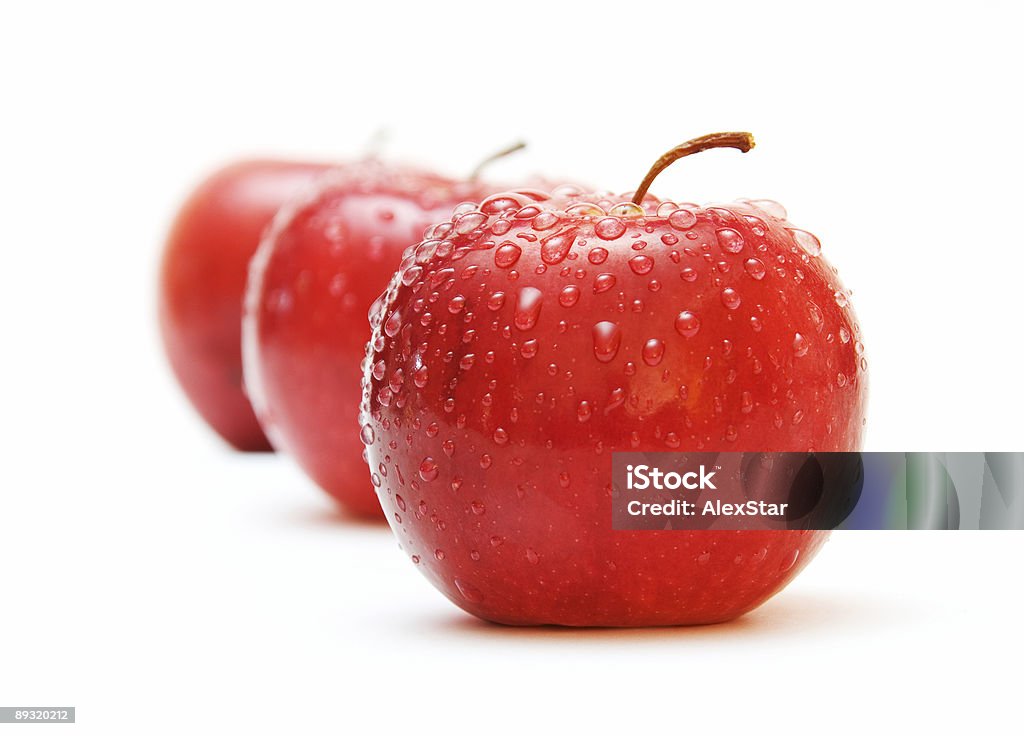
pixel 526 339
pixel 312 283
pixel 202 281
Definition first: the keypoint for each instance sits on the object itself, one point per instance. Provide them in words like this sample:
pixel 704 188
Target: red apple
pixel 312 283
pixel 522 342
pixel 202 280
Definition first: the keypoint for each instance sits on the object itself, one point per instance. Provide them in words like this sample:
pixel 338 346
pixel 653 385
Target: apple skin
pixel 202 283
pixel 316 275
pixel 494 394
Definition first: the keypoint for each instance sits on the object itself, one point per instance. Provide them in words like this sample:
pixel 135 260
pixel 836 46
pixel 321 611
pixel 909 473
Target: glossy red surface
pixel 202 281
pixel 524 342
pixel 312 285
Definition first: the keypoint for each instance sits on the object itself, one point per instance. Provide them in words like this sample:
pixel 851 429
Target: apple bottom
pixel 635 579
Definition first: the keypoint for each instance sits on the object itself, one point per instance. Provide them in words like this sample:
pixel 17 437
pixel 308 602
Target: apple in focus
pixel 525 340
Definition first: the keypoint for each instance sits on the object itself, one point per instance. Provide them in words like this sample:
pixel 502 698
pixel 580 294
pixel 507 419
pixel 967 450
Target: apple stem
pixel 475 173
pixel 742 141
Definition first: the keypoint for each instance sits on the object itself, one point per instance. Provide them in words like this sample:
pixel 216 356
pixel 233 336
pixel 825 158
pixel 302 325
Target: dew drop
pixel 800 346
pixel 496 301
pixel 584 411
pixel 682 219
pixel 555 248
pixel 755 267
pixel 569 296
pixel 609 228
pixel 597 256
pixel 428 469
pixel 367 435
pixel 506 255
pixel 393 324
pixel 528 306
pixel 730 298
pixel 807 241
pixel 410 276
pixel 627 209
pixel 641 264
pixel 499 203
pixel 469 222
pixel 607 338
pixel 687 324
pixel 653 351
pixel 603 282
pixel 729 240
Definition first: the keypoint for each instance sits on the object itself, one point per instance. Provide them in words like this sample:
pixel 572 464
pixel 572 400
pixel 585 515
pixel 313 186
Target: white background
pixel 162 584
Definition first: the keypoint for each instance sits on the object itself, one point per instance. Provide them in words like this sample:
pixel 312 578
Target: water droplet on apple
pixel 528 307
pixel 687 323
pixel 469 222
pixel 729 240
pixel 603 282
pixel 755 267
pixel 428 469
pixel 682 219
pixel 641 264
pixel 569 296
pixel 609 228
pixel 807 241
pixel 653 351
pixel 607 338
pixel 555 248
pixel 506 255
pixel 393 324
pixel 626 209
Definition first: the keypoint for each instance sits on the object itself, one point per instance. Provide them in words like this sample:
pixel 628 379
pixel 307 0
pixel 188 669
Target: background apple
pixel 315 277
pixel 523 342
pixel 202 281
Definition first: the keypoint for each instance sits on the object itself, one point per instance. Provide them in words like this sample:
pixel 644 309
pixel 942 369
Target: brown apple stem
pixel 517 146
pixel 742 141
